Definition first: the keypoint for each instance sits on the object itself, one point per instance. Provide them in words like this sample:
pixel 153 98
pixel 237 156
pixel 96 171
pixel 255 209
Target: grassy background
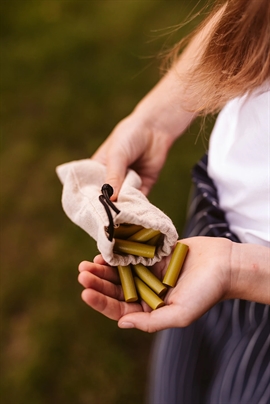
pixel 70 71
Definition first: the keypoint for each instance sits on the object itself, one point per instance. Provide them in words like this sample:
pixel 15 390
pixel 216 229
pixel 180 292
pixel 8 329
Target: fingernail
pixel 126 324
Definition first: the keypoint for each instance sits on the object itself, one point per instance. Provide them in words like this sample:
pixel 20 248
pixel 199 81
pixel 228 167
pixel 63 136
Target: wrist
pixel 250 273
pixel 162 109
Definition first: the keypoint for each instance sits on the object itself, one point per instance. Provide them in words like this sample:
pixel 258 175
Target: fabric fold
pixel 82 182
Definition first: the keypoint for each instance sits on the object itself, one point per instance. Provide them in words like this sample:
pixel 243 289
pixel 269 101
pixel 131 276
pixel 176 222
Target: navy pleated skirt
pixel 223 357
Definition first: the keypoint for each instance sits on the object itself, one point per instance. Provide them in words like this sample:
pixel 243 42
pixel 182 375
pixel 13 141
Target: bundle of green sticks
pixel 138 280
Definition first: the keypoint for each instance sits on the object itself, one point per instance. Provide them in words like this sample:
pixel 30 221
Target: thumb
pixel 156 320
pixel 116 172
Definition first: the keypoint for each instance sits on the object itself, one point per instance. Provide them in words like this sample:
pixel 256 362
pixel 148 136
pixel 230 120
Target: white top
pixel 239 164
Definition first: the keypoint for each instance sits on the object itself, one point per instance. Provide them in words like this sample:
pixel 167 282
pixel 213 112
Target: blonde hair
pixel 236 57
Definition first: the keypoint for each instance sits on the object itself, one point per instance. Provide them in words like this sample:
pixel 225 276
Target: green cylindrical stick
pixel 153 300
pixel 133 248
pixel 175 264
pixel 126 230
pixel 144 235
pixel 149 279
pixel 154 240
pixel 127 282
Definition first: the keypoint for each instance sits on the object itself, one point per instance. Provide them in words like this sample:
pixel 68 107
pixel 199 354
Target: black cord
pixel 107 192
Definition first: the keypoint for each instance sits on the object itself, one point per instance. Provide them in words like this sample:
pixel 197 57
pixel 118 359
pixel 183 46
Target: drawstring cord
pixel 107 192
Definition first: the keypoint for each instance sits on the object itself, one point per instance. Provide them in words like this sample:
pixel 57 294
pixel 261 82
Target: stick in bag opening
pixel 134 248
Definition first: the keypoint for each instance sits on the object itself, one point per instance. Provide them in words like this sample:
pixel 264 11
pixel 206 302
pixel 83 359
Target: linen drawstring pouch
pixel 85 200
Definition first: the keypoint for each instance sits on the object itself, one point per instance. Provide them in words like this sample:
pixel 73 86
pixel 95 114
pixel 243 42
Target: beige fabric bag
pixel 82 182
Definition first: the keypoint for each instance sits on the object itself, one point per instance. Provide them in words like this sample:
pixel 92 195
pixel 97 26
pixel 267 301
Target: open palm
pixel 203 282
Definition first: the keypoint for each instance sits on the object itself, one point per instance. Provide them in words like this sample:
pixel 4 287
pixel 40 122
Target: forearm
pixel 143 139
pixel 250 273
pixel 163 109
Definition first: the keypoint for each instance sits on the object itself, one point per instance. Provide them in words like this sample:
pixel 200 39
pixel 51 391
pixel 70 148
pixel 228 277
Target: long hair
pixel 236 57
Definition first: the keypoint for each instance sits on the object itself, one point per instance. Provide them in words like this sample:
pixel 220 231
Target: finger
pixel 115 167
pixel 88 280
pixel 98 259
pixel 109 307
pixel 102 271
pixel 116 172
pixel 146 188
pixel 147 184
pixel 156 320
pixel 100 154
pixel 84 266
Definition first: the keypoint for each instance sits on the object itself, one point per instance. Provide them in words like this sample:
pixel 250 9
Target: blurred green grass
pixel 70 71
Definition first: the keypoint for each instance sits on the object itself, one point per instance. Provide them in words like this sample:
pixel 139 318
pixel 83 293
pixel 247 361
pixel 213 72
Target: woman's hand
pixel 204 281
pixel 142 140
pixel 133 144
pixel 215 269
